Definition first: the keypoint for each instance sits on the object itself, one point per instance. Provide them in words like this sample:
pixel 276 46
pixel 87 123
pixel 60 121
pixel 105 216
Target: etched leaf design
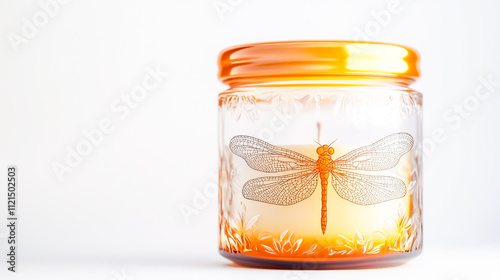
pixel 252 221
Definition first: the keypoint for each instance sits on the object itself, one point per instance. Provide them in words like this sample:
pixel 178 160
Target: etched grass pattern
pixel 239 235
pixel 236 234
pixel 400 235
pixel 287 245
pixel 357 244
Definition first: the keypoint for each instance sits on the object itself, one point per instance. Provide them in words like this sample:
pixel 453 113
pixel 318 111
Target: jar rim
pixel 310 60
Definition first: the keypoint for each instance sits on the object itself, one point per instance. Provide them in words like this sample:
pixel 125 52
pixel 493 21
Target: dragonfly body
pixel 325 166
pixel 288 189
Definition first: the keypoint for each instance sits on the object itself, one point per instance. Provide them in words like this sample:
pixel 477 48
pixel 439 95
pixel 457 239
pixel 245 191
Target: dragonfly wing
pixel 365 189
pixel 282 190
pixel 381 155
pixel 265 157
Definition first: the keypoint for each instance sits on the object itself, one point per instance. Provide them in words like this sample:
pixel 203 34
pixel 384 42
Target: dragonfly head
pixel 324 150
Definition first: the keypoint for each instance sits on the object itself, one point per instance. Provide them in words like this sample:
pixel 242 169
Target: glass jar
pixel 320 155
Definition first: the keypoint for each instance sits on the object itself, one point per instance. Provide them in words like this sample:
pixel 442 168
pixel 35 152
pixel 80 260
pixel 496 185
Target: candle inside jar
pixel 261 228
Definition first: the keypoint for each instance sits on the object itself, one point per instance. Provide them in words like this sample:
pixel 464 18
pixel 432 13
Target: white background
pixel 118 209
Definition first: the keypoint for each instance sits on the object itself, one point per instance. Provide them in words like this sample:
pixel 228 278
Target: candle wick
pixel 319 131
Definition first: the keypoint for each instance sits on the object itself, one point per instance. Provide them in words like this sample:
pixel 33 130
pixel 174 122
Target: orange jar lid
pixel 315 60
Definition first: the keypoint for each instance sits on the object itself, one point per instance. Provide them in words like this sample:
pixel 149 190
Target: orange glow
pixel 356 235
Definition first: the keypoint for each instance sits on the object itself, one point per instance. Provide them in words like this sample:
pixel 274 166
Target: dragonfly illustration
pixel 361 189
